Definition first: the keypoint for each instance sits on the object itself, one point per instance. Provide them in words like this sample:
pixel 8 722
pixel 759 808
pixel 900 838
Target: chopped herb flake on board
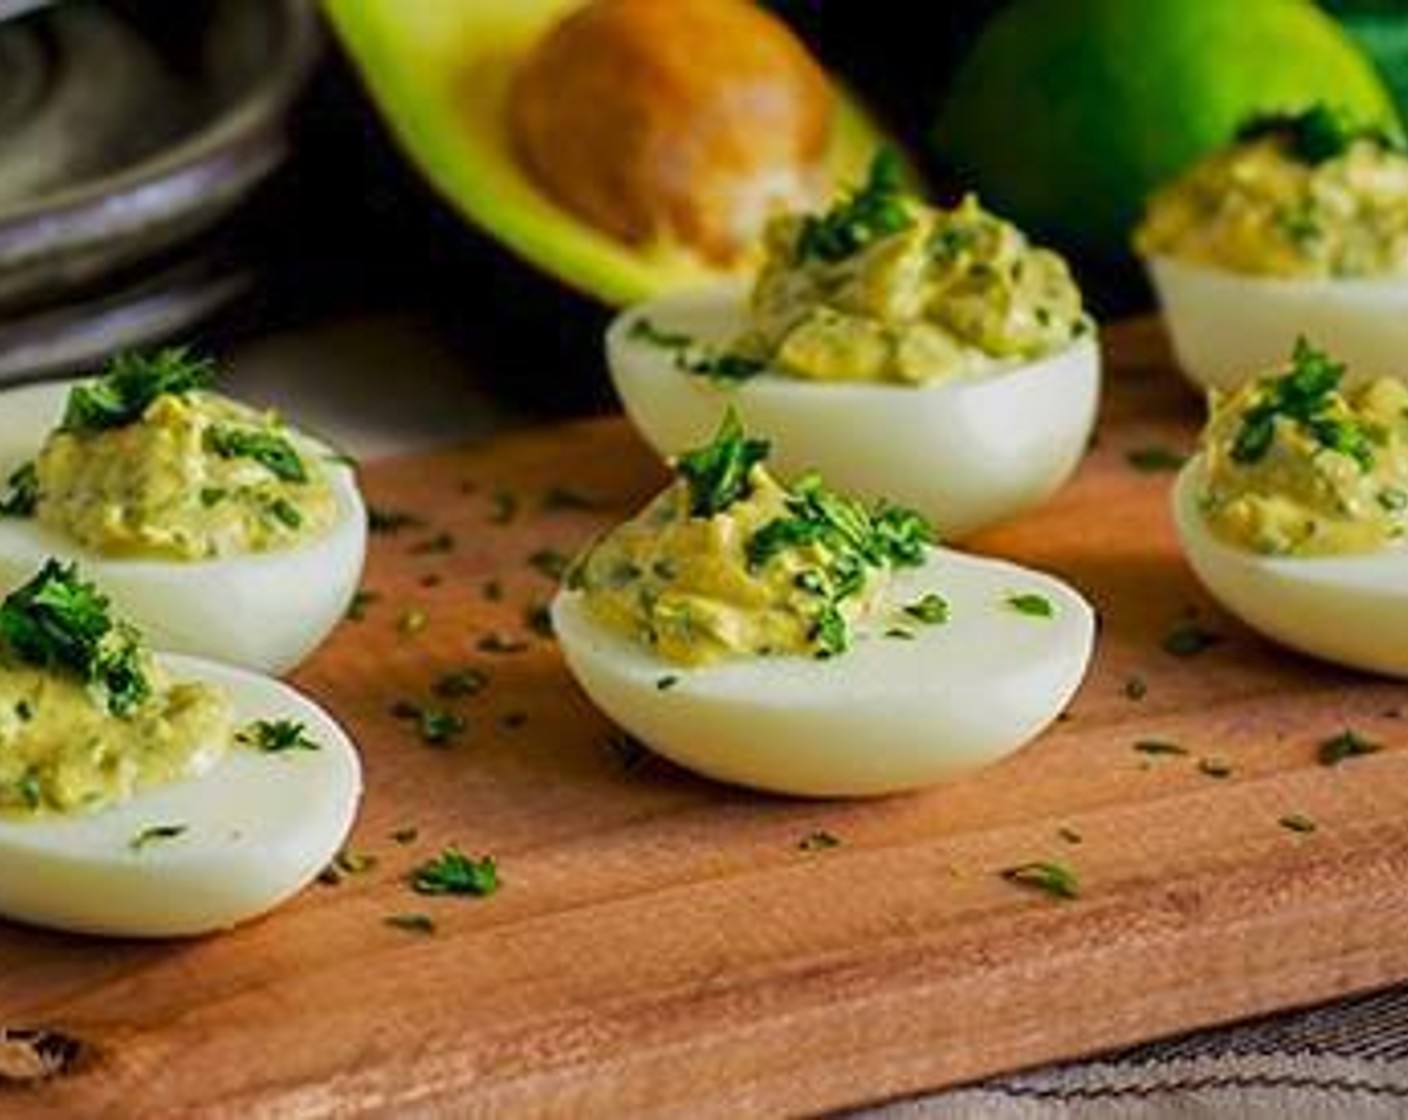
pixel 156 833
pixel 1155 460
pixel 1054 879
pixel 275 736
pixel 1188 639
pixel 1346 745
pixel 819 841
pixel 1297 822
pixel 458 683
pixel 932 609
pixel 391 521
pixel 1032 605
pixel 422 924
pixel 1159 747
pixel 454 873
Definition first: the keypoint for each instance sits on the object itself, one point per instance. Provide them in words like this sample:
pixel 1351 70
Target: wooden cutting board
pixel 662 945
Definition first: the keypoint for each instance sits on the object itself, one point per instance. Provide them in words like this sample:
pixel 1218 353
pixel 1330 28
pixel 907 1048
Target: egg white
pixel 1228 328
pixel 259 827
pixel 966 453
pixel 1348 609
pixel 885 716
pixel 266 611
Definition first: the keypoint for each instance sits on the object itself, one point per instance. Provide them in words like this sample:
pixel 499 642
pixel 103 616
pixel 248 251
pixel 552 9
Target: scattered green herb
pixel 1215 767
pixel 562 498
pixel 1054 879
pixel 538 618
pixel 389 522
pixel 1155 460
pixel 22 496
pixel 212 496
pixel 128 386
pixel 439 728
pixel 874 210
pixel 1317 134
pixel 549 562
pixel 361 600
pixel 1159 747
pixel 819 841
pixel 452 872
pixel 275 736
pixel 1188 639
pixel 286 513
pixel 459 683
pixel 406 835
pixel 932 609
pixel 1346 745
pixel 269 449
pixel 156 833
pixel 422 924
pixel 1297 822
pixel 505 507
pixel 899 633
pixel 718 474
pixel 665 683
pixel 1036 606
pixel 1070 835
pixel 629 751
pixel 57 621
pixel 644 329
pixel 438 544
pixel 346 864
pixel 1135 687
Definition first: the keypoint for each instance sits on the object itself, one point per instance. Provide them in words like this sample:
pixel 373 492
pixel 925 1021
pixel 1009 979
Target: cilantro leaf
pixel 1303 396
pixel 1317 134
pixel 130 383
pixel 23 496
pixel 1054 879
pixel 718 474
pixel 275 736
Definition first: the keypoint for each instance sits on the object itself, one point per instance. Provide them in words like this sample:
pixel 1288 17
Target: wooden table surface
pixel 664 946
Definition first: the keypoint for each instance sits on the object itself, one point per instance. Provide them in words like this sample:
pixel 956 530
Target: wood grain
pixel 662 946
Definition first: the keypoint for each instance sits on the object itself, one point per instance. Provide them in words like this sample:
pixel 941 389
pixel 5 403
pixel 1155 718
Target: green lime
pixel 1067 113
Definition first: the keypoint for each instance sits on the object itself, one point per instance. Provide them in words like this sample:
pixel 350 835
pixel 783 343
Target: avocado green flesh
pixel 683 586
pixel 439 72
pixel 157 487
pixel 62 752
pixel 1301 498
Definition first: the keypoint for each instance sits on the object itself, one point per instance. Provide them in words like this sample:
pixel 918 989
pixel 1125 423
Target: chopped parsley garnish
pixel 1303 396
pixel 1032 605
pixel 453 872
pixel 1346 745
pixel 724 366
pixel 874 210
pixel 1154 460
pixel 538 618
pixel 645 330
pixel 22 497
pixel 211 496
pixel 1054 879
pixel 1188 639
pixel 1159 747
pixel 561 498
pixel 422 924
pixel 1297 822
pixel 346 863
pixel 505 507
pixel 819 841
pixel 853 541
pixel 361 600
pixel 30 789
pixel 718 474
pixel 459 683
pixel 128 386
pixel 1215 767
pixel 438 544
pixel 1070 835
pixel 285 513
pixel 439 728
pixel 899 633
pixel 276 736
pixel 390 521
pixel 56 621
pixel 269 449
pixel 1317 134
pixel 1135 687
pixel 156 833
pixel 932 609
pixel 406 835
pixel 665 683
pixel 549 562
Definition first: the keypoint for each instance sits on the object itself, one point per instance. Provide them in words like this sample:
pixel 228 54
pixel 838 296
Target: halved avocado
pixel 440 74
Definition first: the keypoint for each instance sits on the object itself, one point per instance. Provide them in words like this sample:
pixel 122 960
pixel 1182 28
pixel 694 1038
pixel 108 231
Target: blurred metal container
pixel 129 132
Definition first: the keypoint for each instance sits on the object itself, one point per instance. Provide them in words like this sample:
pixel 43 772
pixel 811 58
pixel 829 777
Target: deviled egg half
pixel 152 796
pixel 793 639
pixel 217 528
pixel 1295 511
pixel 929 355
pixel 1299 226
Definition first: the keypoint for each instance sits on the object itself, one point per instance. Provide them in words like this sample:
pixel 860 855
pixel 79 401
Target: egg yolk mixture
pixel 1296 467
pixel 885 288
pixel 87 719
pixel 730 562
pixel 1306 196
pixel 147 463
